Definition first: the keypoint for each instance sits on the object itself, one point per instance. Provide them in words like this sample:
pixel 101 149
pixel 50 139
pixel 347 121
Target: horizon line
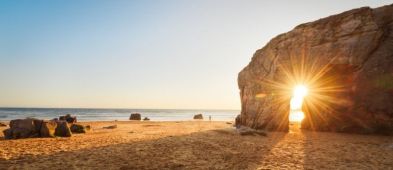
pixel 6 107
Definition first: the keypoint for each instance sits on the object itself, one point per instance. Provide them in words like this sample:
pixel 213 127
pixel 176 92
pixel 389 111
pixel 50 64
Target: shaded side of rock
pixel 62 129
pixel 135 116
pixel 48 129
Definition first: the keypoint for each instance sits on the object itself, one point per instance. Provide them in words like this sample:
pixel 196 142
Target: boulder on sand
pixel 135 116
pixel 146 119
pixel 198 116
pixel 68 118
pixel 2 124
pixel 62 129
pixel 77 128
pixel 48 129
pixel 24 128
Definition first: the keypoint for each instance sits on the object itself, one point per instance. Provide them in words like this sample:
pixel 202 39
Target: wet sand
pixel 196 145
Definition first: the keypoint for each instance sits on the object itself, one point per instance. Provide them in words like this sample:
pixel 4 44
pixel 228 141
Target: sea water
pixel 116 114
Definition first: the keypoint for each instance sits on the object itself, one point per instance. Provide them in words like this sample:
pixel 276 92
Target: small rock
pixel 2 124
pixel 146 119
pixel 77 128
pixel 135 116
pixel 111 127
pixel 88 127
pixel 238 121
pixel 198 116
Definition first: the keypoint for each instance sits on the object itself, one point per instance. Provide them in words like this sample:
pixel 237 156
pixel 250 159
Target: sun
pixel 300 91
pixel 296 114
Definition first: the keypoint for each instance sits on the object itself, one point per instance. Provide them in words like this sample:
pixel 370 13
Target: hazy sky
pixel 140 54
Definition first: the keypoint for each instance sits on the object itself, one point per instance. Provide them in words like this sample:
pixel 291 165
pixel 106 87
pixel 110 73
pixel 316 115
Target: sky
pixel 171 54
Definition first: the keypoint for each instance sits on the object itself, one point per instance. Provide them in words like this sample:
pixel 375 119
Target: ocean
pixel 115 114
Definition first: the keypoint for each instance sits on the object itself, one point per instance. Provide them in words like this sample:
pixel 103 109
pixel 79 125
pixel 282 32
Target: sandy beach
pixel 196 145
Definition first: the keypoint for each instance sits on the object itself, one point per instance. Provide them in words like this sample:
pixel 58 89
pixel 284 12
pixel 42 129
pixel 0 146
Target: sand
pixel 196 145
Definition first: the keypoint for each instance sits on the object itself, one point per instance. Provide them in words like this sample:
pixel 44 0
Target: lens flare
pixel 296 114
pixel 303 86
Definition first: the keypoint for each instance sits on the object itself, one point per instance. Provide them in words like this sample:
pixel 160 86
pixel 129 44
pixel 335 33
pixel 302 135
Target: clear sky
pixel 140 54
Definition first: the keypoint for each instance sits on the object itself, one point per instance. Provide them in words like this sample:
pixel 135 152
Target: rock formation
pixel 135 116
pixel 198 116
pixel 347 62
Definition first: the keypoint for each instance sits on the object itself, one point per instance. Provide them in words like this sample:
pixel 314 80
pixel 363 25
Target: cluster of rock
pixel 137 116
pixel 350 53
pixel 30 127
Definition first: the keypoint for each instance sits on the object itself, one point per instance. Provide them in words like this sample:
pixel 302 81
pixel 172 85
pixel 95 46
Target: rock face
pixel 347 62
pixel 135 116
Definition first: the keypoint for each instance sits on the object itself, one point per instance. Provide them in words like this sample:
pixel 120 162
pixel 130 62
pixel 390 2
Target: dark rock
pixel 68 118
pixel 62 129
pixel 88 127
pixel 350 54
pixel 7 134
pixel 198 116
pixel 48 129
pixel 25 128
pixel 146 119
pixel 2 124
pixel 77 128
pixel 135 116
pixel 110 127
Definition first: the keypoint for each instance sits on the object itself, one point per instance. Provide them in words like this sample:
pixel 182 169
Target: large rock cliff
pixel 347 62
